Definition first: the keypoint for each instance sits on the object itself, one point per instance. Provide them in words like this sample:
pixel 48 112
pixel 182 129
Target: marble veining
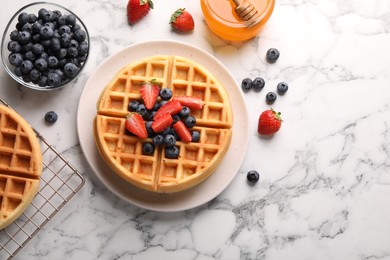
pixel 324 189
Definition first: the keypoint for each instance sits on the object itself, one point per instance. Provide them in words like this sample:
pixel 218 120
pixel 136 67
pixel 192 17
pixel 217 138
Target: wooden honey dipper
pixel 247 12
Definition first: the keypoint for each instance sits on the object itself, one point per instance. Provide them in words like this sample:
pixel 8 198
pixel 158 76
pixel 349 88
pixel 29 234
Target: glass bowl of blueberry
pixel 44 46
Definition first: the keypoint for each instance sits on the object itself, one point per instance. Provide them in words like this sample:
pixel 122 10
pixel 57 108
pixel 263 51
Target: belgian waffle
pixel 20 165
pixel 156 172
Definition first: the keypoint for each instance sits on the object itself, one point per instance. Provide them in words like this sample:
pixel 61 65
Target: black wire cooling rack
pixel 60 181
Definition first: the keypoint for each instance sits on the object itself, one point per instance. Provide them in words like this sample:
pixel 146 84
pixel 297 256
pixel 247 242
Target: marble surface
pixel 324 191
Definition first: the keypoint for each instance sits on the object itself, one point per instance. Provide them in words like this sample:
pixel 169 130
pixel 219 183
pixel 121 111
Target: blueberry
pixel 60 73
pixel 246 84
pixel 41 13
pixel 156 106
pixel 74 61
pixel 64 29
pixel 53 79
pixel 176 118
pixel 15 59
pixel 82 58
pixel 51 117
pixel 23 18
pixel 36 38
pixel 35 75
pixel 55 44
pixel 27 27
pixel 44 56
pixel 51 25
pixel 41 64
pixel 27 47
pixel 48 16
pixel 26 78
pixel 148 148
pixel 18 71
pixel 70 70
pixel 158 139
pixel 29 55
pixel 56 14
pixel 26 66
pixel 190 121
pixel 14 35
pixel 185 112
pixel 65 40
pixel 46 32
pixel 36 27
pixel 169 140
pixel 80 35
pixel 42 81
pixel 62 62
pixel 83 48
pixel 149 128
pixel 142 110
pixel 24 37
pixel 282 88
pixel 133 105
pixel 37 49
pixel 195 136
pixel 74 44
pixel 52 62
pixel 172 152
pixel 258 84
pixel 61 20
pixel 270 97
pixel 272 55
pixel 61 53
pixel 32 18
pixel 14 46
pixel 76 28
pixel 72 52
pixel 167 131
pixel 253 176
pixel 71 19
pixel 165 94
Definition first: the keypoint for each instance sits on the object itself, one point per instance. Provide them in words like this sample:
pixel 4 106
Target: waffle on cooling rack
pixel 156 172
pixel 20 165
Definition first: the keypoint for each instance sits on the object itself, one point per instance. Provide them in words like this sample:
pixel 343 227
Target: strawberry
pixel 171 107
pixel 269 122
pixel 182 20
pixel 136 125
pixel 182 131
pixel 149 92
pixel 162 123
pixel 137 9
pixel 191 102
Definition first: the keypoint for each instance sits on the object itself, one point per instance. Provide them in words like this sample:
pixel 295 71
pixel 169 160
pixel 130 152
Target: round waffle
pixel 156 172
pixel 20 165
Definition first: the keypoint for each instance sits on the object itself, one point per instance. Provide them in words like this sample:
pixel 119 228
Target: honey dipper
pixel 247 12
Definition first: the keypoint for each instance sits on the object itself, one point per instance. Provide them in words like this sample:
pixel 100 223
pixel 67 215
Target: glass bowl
pixel 42 45
pixel 223 21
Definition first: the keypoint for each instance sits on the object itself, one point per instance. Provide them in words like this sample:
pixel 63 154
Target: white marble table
pixel 324 191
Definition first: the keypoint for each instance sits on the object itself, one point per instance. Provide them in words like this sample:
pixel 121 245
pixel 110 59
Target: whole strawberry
pixel 137 9
pixel 269 122
pixel 182 20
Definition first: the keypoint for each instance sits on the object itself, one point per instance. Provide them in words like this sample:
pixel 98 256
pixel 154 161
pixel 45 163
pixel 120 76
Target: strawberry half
pixel 162 123
pixel 182 20
pixel 191 102
pixel 182 131
pixel 269 122
pixel 171 107
pixel 149 92
pixel 137 9
pixel 136 125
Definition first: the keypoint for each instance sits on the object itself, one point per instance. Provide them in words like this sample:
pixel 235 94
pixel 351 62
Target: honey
pixel 221 18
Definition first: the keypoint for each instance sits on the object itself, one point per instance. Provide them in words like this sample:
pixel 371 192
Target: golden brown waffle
pixel 197 161
pixel 20 165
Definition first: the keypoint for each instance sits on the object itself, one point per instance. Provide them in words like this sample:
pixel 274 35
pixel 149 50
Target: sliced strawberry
pixel 182 131
pixel 136 125
pixel 191 102
pixel 162 123
pixel 171 107
pixel 149 93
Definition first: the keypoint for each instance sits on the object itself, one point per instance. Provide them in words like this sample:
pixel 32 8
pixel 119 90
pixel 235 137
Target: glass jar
pixel 221 18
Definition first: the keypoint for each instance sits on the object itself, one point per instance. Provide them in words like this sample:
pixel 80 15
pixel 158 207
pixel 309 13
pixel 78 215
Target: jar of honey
pixel 222 19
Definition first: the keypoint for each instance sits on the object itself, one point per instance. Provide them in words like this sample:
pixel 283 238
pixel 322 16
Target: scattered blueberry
pixel 246 84
pixel 51 117
pixel 282 88
pixel 195 136
pixel 133 106
pixel 258 84
pixel 270 97
pixel 253 176
pixel 190 121
pixel 148 148
pixel 165 94
pixel 149 128
pixel 272 55
pixel 158 139
pixel 176 118
pixel 172 152
pixel 169 140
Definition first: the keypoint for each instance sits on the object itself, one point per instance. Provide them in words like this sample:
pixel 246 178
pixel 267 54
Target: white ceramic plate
pixel 201 193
